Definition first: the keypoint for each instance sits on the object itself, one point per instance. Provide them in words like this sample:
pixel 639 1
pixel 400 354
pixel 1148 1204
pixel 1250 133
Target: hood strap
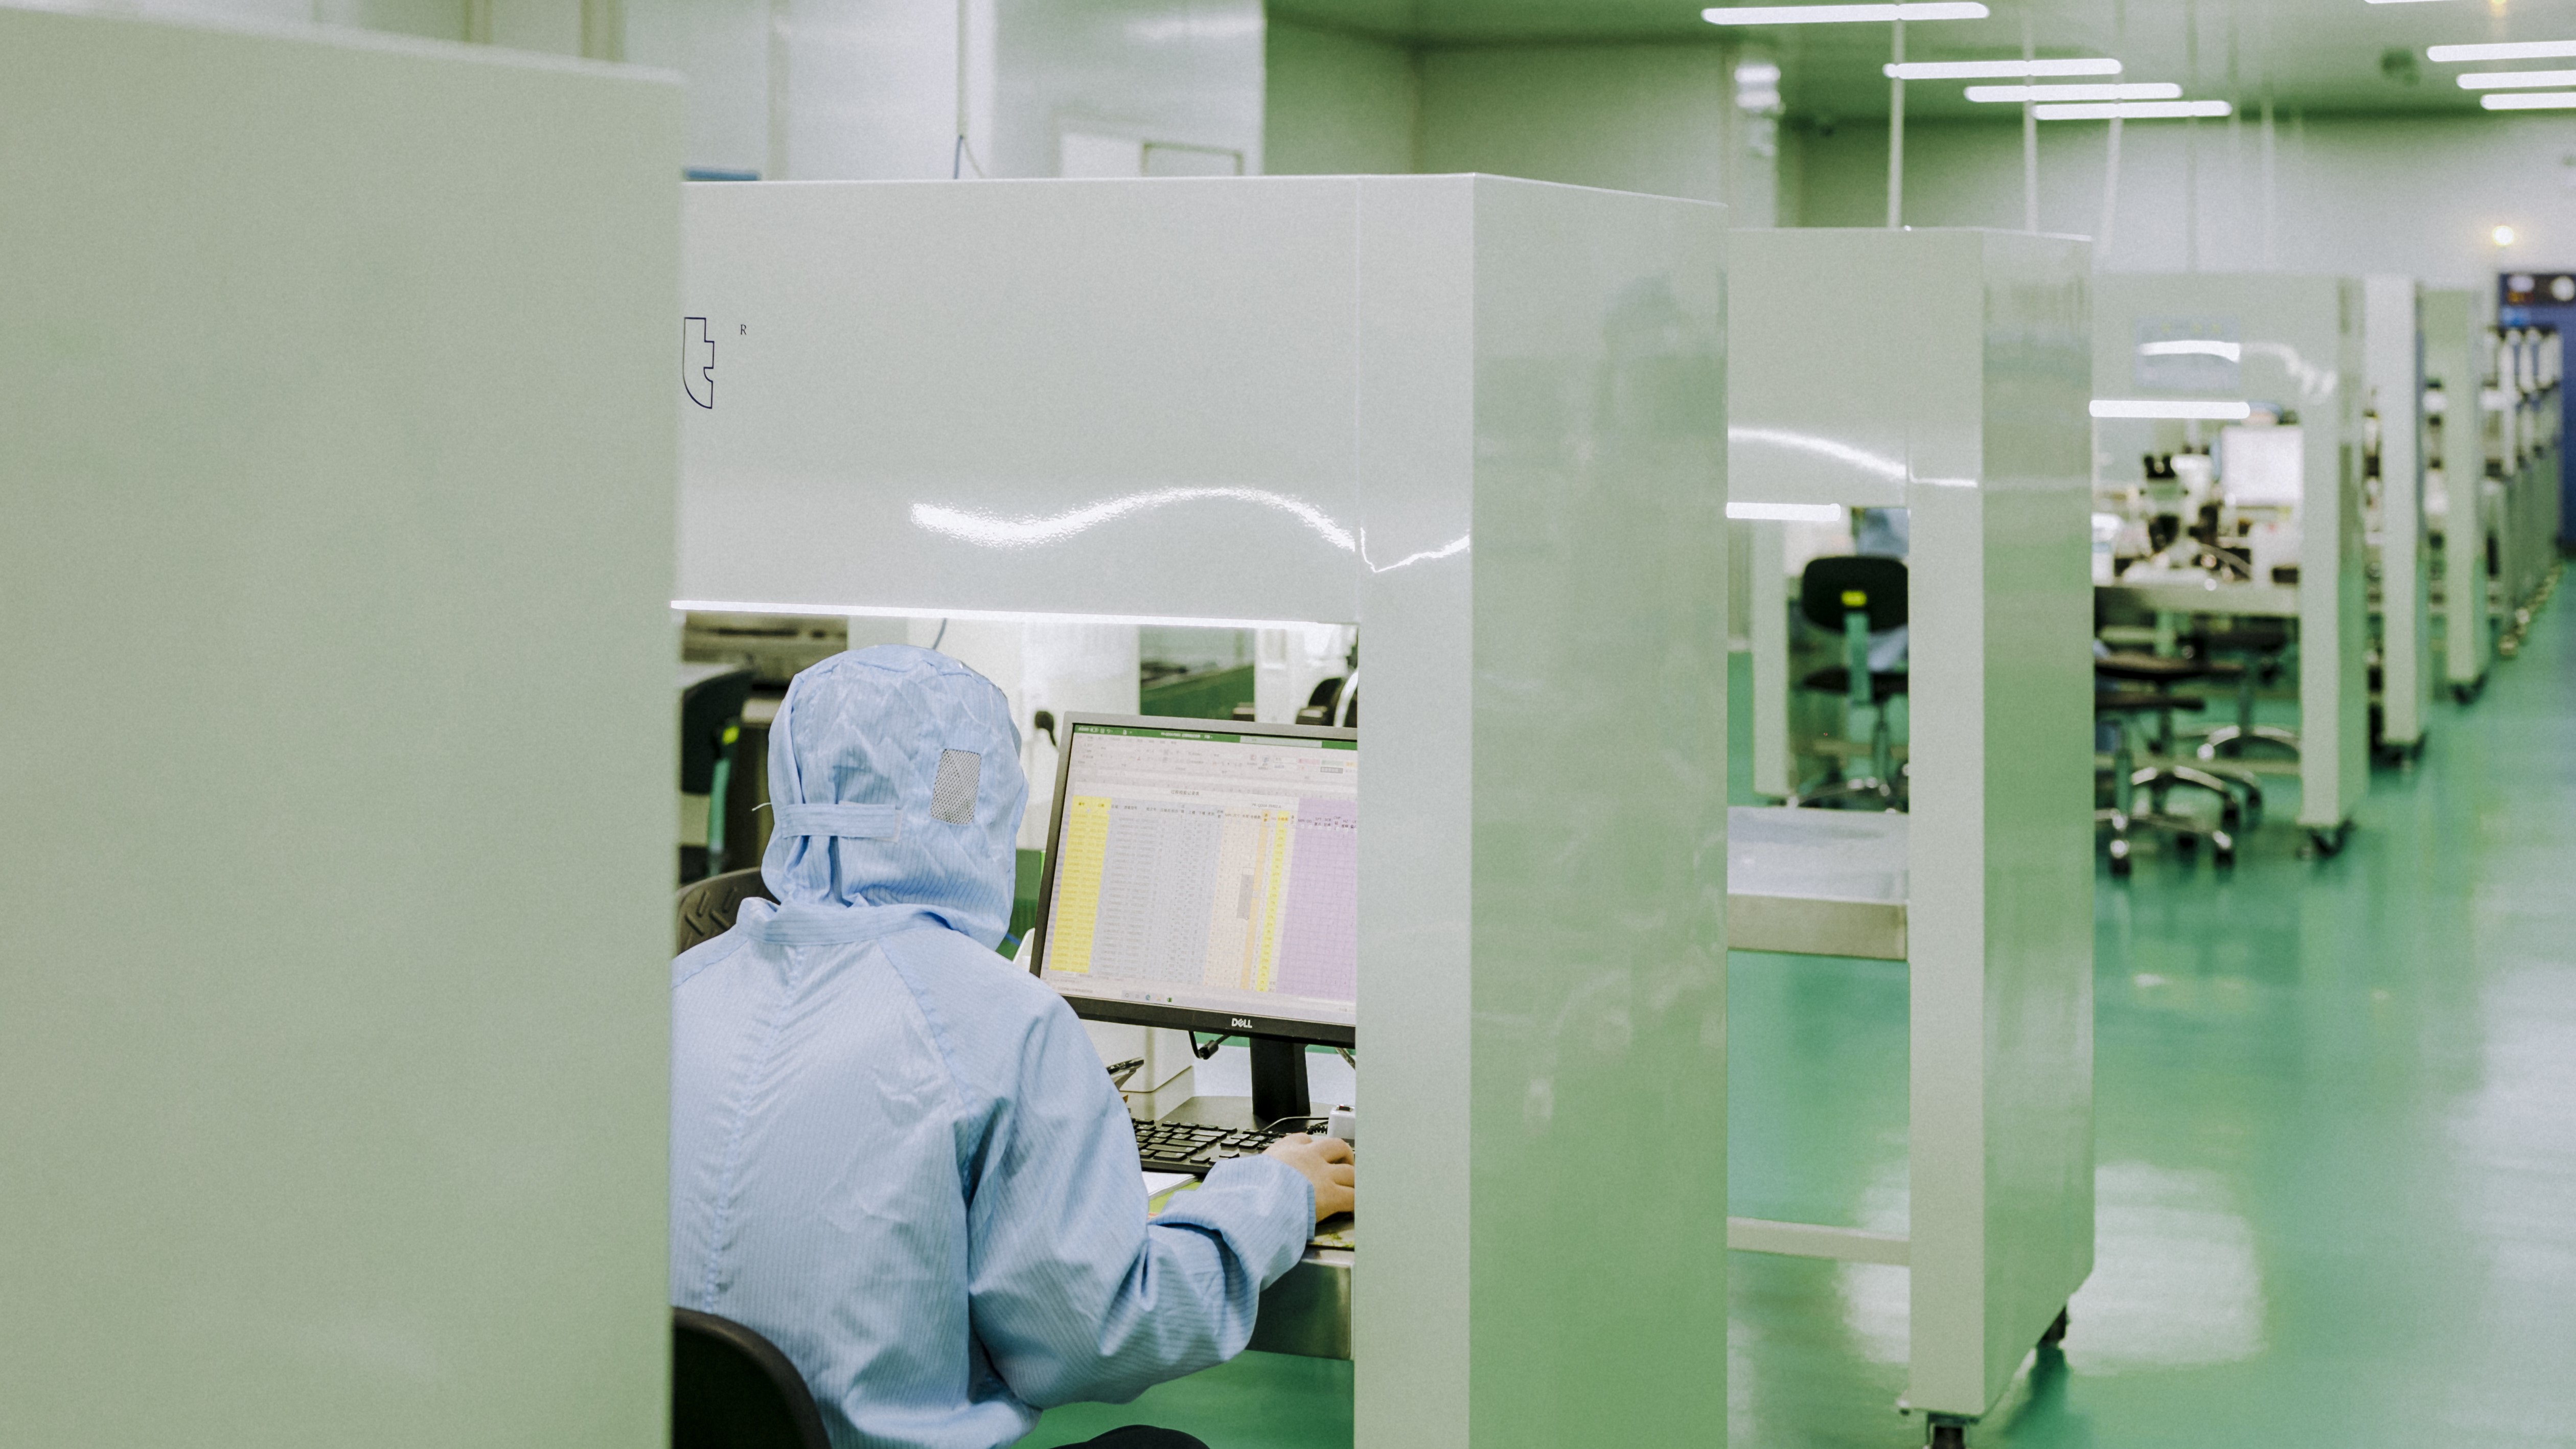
pixel 804 925
pixel 842 822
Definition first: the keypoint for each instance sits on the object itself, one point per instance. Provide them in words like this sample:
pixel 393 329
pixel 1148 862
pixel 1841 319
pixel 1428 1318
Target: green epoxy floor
pixel 2336 1134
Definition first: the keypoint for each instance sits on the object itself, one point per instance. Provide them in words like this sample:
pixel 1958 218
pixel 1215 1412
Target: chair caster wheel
pixel 1948 1434
pixel 2186 845
pixel 2223 857
pixel 2326 844
pixel 2120 858
pixel 2056 1333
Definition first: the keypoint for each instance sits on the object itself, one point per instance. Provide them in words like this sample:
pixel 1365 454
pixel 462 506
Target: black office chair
pixel 2121 707
pixel 733 1389
pixel 710 740
pixel 1854 595
pixel 705 910
pixel 2257 650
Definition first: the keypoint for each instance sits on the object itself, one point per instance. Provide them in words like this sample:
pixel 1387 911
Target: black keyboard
pixel 1191 1148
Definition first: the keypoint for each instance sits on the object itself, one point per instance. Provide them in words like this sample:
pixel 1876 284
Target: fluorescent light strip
pixel 2157 407
pixel 2193 347
pixel 2529 101
pixel 2135 91
pixel 2132 110
pixel 2396 2
pixel 2491 80
pixel 2503 50
pixel 1786 512
pixel 1997 69
pixel 1843 14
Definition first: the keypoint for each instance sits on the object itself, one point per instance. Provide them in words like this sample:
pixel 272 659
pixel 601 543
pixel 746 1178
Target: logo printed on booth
pixel 698 361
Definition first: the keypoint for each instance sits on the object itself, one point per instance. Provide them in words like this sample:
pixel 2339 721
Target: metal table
pixel 1816 882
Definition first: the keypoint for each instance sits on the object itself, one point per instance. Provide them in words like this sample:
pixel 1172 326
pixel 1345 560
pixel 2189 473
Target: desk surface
pixel 2186 594
pixel 1308 1311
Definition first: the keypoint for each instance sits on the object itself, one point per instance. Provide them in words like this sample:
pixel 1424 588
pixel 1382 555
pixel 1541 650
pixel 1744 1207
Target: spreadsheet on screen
pixel 1198 868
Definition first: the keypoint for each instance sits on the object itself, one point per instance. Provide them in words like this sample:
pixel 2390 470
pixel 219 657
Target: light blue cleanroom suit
pixel 894 1153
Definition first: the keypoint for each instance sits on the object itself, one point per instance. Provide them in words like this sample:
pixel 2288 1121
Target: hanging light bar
pixel 2135 91
pixel 2489 80
pixel 1998 69
pixel 2132 110
pixel 2529 101
pixel 1910 10
pixel 2503 50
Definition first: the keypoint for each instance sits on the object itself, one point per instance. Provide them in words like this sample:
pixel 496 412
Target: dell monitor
pixel 1205 875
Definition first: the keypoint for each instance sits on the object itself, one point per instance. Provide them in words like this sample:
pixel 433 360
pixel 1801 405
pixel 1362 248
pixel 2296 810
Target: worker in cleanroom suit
pixel 894 1153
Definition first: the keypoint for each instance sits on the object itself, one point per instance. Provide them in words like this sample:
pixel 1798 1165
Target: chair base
pixel 2186 834
pixel 1862 794
pixel 2235 739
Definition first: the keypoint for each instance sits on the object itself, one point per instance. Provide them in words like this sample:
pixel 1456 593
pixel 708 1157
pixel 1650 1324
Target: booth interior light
pixel 2502 50
pixel 2131 110
pixel 810 609
pixel 1785 512
pixel 1998 69
pixel 2133 91
pixel 1843 14
pixel 2201 409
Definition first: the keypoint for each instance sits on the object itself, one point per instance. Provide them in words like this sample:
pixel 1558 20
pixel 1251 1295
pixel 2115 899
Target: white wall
pixel 1651 118
pixel 2350 195
pixel 1657 118
pixel 1183 73
pixel 1338 104
pixel 865 90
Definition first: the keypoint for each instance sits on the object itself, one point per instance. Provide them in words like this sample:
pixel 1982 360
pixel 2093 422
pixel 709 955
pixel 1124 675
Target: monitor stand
pixel 1279 1086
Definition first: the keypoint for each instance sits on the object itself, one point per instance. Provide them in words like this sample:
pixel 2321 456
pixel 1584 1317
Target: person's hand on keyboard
pixel 1325 1162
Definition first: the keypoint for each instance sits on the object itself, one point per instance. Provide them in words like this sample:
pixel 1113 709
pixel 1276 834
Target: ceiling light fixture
pixel 2503 50
pixel 1844 14
pixel 1997 69
pixel 2502 236
pixel 2529 101
pixel 2490 80
pixel 2136 91
pixel 2393 2
pixel 2132 110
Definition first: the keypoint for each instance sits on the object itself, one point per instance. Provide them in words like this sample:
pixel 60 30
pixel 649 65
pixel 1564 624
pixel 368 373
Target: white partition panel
pixel 336 467
pixel 2393 347
pixel 2453 337
pixel 1960 394
pixel 1483 419
pixel 2297 342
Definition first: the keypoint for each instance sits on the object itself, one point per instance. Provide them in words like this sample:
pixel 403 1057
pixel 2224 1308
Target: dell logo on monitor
pixel 1241 1023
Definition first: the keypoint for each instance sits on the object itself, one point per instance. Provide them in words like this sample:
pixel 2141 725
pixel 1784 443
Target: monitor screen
pixel 1205 877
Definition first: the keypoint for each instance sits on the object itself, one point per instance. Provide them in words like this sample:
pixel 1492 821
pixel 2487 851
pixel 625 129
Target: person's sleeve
pixel 1074 1295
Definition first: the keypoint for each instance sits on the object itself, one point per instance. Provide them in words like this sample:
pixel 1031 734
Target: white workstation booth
pixel 2456 491
pixel 2179 363
pixel 339 453
pixel 2394 532
pixel 1957 394
pixel 1481 419
pixel 2524 374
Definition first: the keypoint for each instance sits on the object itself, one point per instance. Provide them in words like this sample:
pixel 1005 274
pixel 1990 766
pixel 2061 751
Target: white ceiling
pixel 2317 56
